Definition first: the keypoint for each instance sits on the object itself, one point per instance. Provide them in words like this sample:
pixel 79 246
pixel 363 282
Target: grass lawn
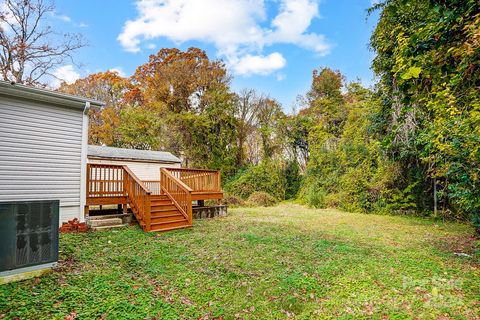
pixel 261 263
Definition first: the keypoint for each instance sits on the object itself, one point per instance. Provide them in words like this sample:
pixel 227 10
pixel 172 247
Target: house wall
pixel 41 153
pixel 143 170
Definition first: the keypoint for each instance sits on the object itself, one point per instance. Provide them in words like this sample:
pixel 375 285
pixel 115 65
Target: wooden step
pixel 173 223
pixel 169 207
pixel 169 218
pixel 160 202
pixel 160 212
pixel 170 225
pixel 159 197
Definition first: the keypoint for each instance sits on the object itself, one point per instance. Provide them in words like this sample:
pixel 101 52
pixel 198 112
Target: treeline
pixel 410 146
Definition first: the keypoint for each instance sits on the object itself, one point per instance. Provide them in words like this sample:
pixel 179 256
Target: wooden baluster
pixel 125 183
pixel 189 207
pixel 147 209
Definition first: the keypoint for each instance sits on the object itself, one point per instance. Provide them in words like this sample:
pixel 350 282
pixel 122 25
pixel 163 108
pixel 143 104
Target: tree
pixel 30 48
pixel 296 130
pixel 180 79
pixel 427 55
pixel 269 118
pixel 246 110
pixel 191 95
pixel 117 93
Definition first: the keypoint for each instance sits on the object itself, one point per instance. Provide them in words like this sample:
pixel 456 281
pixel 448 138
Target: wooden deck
pixel 158 205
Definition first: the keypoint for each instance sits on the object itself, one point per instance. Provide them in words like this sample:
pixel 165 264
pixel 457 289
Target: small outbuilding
pixel 145 164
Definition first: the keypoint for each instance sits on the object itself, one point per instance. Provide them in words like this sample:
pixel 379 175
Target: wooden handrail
pixel 137 180
pixel 106 180
pixel 139 196
pixel 198 179
pixel 178 192
pixel 153 186
pixel 119 182
pixel 190 169
pixel 178 181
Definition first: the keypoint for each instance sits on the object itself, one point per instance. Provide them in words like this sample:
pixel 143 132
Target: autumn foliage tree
pixel 181 80
pixel 117 92
pixel 191 96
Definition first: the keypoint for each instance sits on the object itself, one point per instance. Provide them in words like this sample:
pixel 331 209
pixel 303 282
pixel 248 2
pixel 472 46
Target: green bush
pixel 266 176
pixel 313 195
pixel 293 179
pixel 261 199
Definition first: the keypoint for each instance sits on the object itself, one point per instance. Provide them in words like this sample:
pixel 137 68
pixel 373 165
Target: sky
pixel 269 45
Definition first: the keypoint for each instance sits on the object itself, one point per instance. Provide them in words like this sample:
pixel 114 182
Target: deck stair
pixel 160 205
pixel 165 215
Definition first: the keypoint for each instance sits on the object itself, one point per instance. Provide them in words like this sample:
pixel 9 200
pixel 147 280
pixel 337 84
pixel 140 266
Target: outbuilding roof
pixel 131 154
pixel 39 94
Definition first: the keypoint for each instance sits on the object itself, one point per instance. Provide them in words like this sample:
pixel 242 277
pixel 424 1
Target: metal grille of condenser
pixel 28 233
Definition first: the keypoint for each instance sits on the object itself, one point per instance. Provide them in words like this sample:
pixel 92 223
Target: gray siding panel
pixel 40 152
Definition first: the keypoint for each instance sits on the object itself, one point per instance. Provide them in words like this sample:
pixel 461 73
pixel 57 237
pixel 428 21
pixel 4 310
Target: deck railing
pixel 153 186
pixel 106 180
pixel 139 196
pixel 199 180
pixel 108 184
pixel 178 192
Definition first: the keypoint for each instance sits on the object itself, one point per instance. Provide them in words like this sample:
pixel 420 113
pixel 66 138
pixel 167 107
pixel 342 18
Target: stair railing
pixel 199 180
pixel 139 196
pixel 178 192
pixel 107 181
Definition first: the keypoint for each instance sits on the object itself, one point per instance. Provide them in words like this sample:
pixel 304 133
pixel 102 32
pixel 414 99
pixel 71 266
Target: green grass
pixel 261 263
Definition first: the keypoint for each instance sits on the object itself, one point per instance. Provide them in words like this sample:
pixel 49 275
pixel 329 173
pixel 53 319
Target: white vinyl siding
pixel 40 153
pixel 142 169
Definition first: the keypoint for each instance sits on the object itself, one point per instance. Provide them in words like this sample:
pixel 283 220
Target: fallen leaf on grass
pixel 187 301
pixel 71 316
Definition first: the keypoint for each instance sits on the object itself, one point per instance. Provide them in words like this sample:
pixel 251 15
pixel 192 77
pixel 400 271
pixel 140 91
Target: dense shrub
pixel 232 200
pixel 313 195
pixel 262 199
pixel 267 177
pixel 293 179
pixel 347 168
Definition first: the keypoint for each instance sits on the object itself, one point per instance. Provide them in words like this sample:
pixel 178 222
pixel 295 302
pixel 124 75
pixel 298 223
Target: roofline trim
pixel 130 159
pixel 45 95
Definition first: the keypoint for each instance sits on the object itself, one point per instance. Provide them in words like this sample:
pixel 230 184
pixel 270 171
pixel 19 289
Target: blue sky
pixel 269 45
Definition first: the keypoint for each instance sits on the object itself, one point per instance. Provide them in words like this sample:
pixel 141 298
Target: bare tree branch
pixel 31 50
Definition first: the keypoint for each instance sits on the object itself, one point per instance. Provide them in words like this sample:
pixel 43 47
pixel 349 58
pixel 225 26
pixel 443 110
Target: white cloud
pixel 240 29
pixel 281 76
pixel 151 46
pixel 7 18
pixel 119 70
pixel 64 73
pixel 291 24
pixel 64 18
pixel 259 64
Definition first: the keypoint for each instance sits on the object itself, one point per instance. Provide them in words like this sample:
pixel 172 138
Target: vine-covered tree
pixel 427 58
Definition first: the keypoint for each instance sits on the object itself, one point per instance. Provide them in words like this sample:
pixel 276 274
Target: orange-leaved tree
pixel 117 92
